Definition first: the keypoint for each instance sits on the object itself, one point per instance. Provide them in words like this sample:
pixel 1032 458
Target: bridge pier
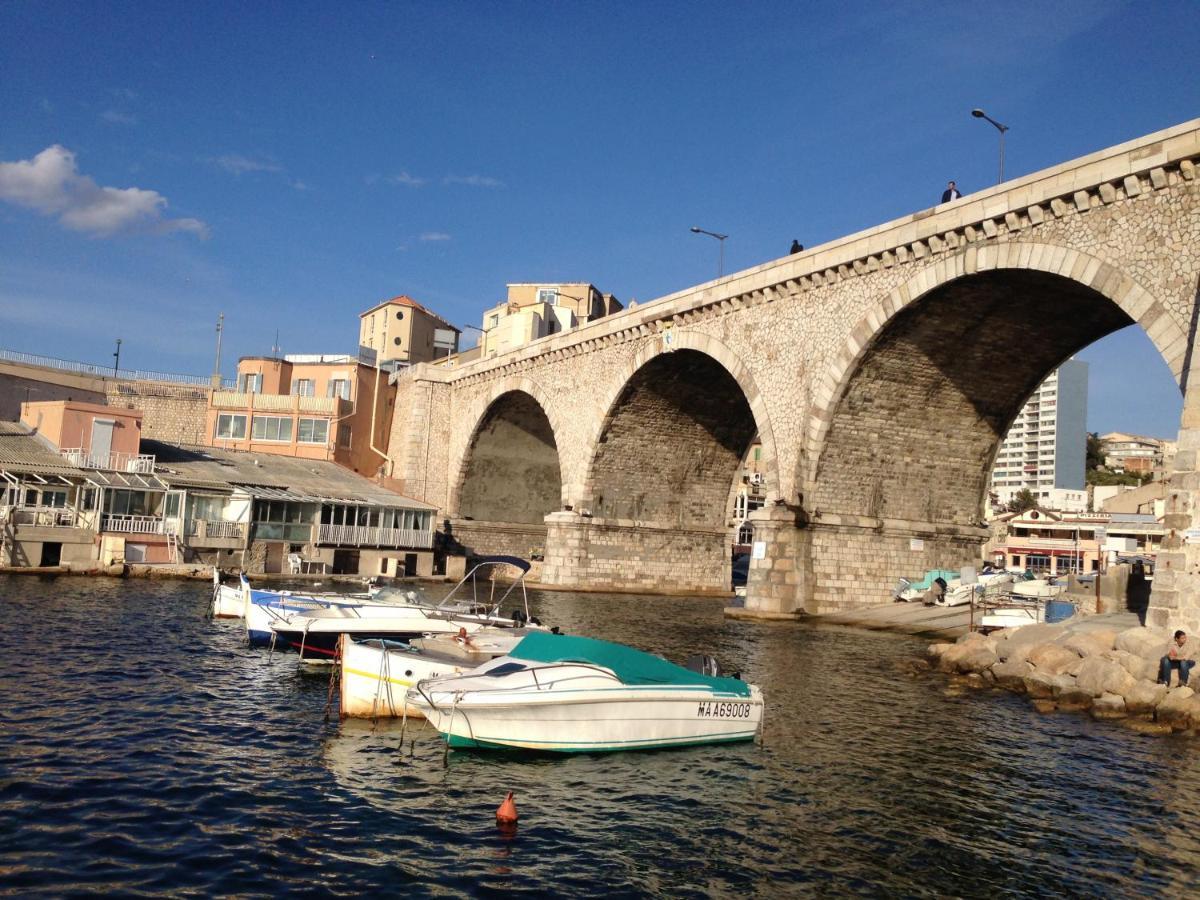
pixel 621 555
pixel 1175 595
pixel 841 562
pixel 498 538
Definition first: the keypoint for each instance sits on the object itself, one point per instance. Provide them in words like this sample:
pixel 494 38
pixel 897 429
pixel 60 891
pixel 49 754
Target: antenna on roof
pixel 275 347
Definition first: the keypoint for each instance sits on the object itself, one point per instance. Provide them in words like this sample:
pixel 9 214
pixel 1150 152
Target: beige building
pixel 535 310
pixel 403 332
pixel 1135 453
pixel 327 407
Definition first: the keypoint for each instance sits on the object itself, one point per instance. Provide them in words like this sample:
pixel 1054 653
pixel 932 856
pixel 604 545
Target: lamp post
pixel 117 358
pixel 483 339
pixel 980 114
pixel 217 365
pixel 719 237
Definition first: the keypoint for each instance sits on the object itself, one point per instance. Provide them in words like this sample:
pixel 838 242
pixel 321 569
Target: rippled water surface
pixel 147 750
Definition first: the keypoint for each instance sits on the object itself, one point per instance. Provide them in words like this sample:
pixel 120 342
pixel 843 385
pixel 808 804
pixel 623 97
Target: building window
pixel 304 387
pixel 313 431
pixel 271 428
pixel 250 382
pixel 399 314
pixel 493 321
pixel 547 295
pixel 231 426
pixel 343 435
pixel 339 387
pixel 396 341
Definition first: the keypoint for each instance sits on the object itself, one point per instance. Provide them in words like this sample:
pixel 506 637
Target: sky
pixel 291 164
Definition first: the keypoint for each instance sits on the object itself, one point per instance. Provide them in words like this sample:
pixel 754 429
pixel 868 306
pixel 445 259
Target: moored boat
pixel 314 634
pixel 376 674
pixel 572 695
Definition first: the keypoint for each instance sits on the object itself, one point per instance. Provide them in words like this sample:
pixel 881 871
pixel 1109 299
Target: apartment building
pixel 1053 543
pixel 1135 453
pixel 326 407
pixel 1045 449
pixel 536 310
pixel 401 331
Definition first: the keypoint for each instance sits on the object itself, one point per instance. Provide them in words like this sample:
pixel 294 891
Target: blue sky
pixel 291 164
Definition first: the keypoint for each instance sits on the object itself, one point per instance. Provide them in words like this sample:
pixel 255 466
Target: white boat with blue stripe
pixel 569 694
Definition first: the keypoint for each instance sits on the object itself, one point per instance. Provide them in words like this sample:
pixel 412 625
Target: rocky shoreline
pixel 1077 666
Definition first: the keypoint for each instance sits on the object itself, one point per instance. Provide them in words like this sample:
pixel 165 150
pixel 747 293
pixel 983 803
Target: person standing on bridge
pixel 950 193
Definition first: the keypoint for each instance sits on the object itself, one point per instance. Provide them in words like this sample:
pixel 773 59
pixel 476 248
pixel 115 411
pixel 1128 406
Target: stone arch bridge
pixel 880 372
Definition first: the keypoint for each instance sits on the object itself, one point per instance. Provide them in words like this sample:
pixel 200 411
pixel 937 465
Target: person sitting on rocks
pixel 1178 656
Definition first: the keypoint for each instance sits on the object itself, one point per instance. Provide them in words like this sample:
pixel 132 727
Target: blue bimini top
pixel 630 665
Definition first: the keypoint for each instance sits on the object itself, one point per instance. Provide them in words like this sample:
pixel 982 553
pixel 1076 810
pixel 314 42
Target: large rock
pixel 1011 675
pixel 1017 642
pixel 1051 658
pixel 1141 669
pixel 1144 697
pixel 1109 706
pixel 971 656
pixel 1091 643
pixel 1148 643
pixel 1098 675
pixel 1180 709
pixel 936 650
pixel 1042 685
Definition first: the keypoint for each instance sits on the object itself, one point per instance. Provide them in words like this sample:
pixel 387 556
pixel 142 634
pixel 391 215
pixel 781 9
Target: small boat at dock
pixel 570 694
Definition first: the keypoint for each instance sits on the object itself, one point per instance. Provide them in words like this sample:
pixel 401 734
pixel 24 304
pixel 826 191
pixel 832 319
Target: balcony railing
pixel 292 403
pixel 366 536
pixel 131 524
pixel 114 462
pixel 41 516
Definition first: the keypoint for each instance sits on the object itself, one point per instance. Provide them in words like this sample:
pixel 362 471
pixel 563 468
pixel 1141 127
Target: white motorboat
pixel 579 695
pixel 1012 614
pixel 376 674
pixel 1039 588
pixel 314 634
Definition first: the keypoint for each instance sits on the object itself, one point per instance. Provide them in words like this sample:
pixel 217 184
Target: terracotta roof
pixel 405 300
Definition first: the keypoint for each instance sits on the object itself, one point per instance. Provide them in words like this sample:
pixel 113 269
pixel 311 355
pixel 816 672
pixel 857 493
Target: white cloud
pixel 406 180
pixel 116 117
pixel 434 236
pixel 474 181
pixel 239 165
pixel 51 184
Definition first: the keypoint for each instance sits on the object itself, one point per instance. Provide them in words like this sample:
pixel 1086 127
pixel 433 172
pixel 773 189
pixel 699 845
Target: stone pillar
pixel 621 555
pixel 779 585
pixel 1175 596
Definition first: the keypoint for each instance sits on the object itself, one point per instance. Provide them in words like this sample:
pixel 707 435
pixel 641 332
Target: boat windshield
pixel 630 665
pixel 483 590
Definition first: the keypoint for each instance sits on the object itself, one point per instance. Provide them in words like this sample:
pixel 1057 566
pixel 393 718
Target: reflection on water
pixel 147 750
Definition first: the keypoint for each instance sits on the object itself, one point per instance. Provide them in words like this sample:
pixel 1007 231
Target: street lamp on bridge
pixel 980 114
pixel 719 237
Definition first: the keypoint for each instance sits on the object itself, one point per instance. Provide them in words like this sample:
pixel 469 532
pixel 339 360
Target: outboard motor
pixel 705 665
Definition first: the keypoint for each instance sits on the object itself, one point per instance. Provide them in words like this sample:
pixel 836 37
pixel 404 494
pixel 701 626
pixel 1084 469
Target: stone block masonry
pixel 879 372
pixel 170 412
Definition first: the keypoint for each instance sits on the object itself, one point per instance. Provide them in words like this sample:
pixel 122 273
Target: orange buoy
pixel 507 813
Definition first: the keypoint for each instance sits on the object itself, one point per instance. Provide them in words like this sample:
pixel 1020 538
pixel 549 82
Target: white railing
pixel 366 536
pixel 216 529
pixel 40 516
pixel 105 371
pixel 131 524
pixel 115 462
pixel 278 402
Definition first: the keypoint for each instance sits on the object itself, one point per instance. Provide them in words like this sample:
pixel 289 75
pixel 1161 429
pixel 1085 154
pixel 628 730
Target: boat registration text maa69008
pixel 723 710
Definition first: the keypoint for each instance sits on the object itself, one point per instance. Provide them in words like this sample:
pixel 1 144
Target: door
pixel 173 512
pixel 51 553
pixel 101 448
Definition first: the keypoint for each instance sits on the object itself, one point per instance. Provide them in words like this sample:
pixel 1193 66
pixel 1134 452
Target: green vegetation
pixel 1100 476
pixel 1022 500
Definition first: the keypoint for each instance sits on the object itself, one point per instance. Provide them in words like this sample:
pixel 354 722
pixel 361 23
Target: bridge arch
pixel 693 384
pixel 510 470
pixel 909 417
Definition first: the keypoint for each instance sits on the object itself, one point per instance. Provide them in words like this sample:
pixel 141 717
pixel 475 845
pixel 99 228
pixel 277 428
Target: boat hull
pixel 376 677
pixel 228 602
pixel 594 722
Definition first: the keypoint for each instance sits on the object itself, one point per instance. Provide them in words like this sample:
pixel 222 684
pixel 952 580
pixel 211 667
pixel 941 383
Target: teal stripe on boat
pixel 464 743
pixel 632 666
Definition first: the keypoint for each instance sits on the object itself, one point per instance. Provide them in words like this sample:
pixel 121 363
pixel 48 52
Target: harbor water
pixel 147 751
